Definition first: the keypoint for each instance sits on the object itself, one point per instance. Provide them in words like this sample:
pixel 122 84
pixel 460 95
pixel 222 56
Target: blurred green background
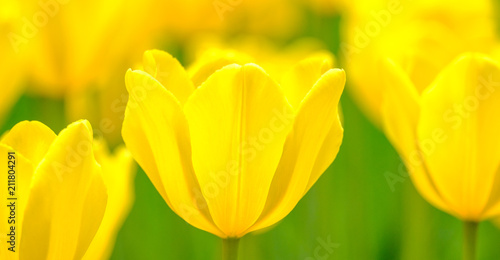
pixel 352 204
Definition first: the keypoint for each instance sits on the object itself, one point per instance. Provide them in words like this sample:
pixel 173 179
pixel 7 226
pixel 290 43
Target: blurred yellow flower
pixel 280 19
pixel 11 68
pixel 181 19
pixel 448 134
pixel 274 59
pixel 77 51
pixel 238 152
pixel 118 173
pixel 421 36
pixel 73 45
pixel 70 199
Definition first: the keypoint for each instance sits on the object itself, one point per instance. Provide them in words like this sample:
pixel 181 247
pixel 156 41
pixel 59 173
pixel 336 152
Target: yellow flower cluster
pixel 235 140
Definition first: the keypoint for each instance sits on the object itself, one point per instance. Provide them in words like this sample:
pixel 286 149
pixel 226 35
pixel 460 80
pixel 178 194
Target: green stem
pixel 470 236
pixel 230 248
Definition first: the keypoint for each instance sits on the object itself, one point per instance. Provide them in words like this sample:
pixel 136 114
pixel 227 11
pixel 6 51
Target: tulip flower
pixel 56 190
pixel 238 152
pixel 448 137
pixel 69 199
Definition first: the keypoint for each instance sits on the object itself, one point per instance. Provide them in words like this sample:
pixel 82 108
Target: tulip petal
pixel 213 60
pixel 156 133
pixel 400 113
pixel 309 149
pixel 67 199
pixel 29 140
pixel 463 102
pixel 238 124
pixel 298 81
pixel 327 152
pixel 169 72
pixel 22 170
pixel 32 139
pixel 118 173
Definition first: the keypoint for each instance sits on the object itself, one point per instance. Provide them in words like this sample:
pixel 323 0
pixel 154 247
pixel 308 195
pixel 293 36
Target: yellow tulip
pixel 238 152
pixel 56 190
pixel 448 134
pixel 421 36
pixel 70 197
